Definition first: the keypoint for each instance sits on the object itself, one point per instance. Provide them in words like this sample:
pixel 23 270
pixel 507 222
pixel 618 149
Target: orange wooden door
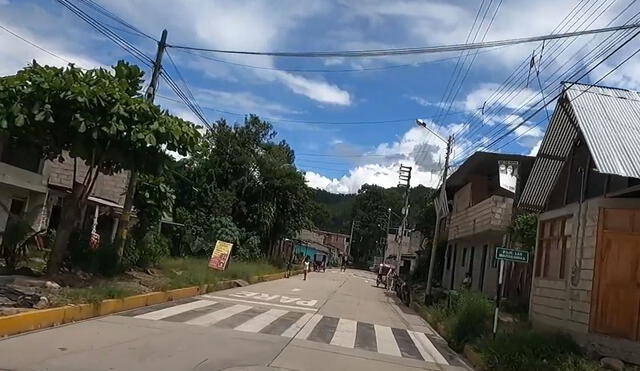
pixel 617 296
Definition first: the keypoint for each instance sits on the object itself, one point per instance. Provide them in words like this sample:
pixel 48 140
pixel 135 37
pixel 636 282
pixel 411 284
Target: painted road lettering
pixel 270 297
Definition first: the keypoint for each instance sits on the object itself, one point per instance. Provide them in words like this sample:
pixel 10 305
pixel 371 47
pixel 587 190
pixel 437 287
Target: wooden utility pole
pixel 125 217
pixel 436 232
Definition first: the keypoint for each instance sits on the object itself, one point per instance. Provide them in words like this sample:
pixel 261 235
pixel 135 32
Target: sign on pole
pixel 220 255
pixel 508 171
pixel 516 256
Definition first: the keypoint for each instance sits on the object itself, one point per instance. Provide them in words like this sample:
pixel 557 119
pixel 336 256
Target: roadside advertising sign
pixel 220 256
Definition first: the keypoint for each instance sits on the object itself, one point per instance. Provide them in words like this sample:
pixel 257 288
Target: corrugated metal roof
pixel 609 120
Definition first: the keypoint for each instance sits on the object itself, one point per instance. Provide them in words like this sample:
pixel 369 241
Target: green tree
pixel 524 229
pixel 371 210
pixel 99 117
pixel 240 173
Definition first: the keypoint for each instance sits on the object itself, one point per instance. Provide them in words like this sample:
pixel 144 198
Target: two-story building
pixel 479 219
pixel 28 182
pixel 406 249
pixel 585 185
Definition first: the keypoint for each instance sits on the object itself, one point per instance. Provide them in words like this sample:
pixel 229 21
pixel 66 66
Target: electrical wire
pixel 286 120
pixel 124 44
pixel 505 97
pixel 35 45
pixel 345 70
pixel 105 12
pixel 189 94
pixel 409 51
pixel 516 87
pixel 515 127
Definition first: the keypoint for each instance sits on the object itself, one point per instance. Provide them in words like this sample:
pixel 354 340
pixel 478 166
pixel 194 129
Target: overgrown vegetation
pixel 466 316
pixel 465 319
pixel 184 272
pixel 535 351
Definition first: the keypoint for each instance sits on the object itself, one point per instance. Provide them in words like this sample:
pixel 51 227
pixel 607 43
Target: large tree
pixel 244 186
pixel 99 117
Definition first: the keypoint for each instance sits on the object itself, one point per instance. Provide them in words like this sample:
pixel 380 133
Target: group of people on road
pixel 306 266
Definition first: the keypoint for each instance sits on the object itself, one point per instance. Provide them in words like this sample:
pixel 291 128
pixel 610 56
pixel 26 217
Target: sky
pixel 351 121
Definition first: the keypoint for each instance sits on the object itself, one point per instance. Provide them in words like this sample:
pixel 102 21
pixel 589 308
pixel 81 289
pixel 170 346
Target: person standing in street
pixel 305 267
pixel 343 268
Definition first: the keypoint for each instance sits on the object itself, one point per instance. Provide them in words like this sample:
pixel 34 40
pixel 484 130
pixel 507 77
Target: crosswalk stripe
pixel 306 330
pixel 293 329
pixel 168 312
pixel 219 315
pixel 386 341
pixel 424 344
pixel 421 348
pixel 345 335
pixel 261 321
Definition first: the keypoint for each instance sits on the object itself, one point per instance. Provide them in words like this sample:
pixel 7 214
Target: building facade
pixel 37 188
pixel 585 185
pixel 480 216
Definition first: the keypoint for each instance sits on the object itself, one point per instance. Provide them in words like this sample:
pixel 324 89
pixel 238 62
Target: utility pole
pixel 353 223
pixel 404 181
pixel 436 233
pixel 386 237
pixel 150 94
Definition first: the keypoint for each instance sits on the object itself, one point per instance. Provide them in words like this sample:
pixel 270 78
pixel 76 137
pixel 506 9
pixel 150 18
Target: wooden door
pixel 617 278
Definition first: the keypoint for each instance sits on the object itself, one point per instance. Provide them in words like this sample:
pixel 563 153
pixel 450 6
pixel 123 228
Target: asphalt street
pixel 333 320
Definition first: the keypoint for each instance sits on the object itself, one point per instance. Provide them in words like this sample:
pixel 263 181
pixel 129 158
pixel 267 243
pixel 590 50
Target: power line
pixel 124 44
pixel 275 119
pixel 515 89
pixel 197 109
pixel 409 51
pixel 105 12
pixel 345 70
pixel 515 127
pixel 35 45
pixel 511 92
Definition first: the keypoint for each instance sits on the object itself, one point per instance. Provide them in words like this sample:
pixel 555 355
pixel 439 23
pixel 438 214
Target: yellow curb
pixel 38 319
pixel 34 320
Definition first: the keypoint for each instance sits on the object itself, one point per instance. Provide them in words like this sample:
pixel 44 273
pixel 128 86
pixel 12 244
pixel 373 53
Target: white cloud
pixel 417 148
pixel 535 148
pixel 15 53
pixel 317 90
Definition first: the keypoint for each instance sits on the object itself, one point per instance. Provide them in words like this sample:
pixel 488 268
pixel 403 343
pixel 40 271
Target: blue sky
pixel 342 157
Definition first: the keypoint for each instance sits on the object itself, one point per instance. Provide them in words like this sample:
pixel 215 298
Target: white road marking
pixel 306 330
pixel 386 341
pixel 260 303
pixel 425 345
pixel 261 321
pixel 217 316
pixel 345 334
pixel 295 290
pixel 291 331
pixel 421 348
pixel 171 311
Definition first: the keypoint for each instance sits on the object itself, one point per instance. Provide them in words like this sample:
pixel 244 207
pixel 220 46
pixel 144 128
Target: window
pixel 449 252
pixel 464 257
pixel 554 241
pixel 494 261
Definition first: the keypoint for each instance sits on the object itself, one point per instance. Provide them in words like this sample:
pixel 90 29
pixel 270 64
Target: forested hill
pixel 334 212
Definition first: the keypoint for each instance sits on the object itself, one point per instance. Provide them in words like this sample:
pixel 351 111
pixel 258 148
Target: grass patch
pixel 93 294
pixel 185 272
pixel 535 351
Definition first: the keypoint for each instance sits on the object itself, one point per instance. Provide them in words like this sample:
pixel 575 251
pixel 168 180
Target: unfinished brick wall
pixel 109 187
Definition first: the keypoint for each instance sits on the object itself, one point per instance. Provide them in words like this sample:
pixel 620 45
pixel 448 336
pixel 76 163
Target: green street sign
pixel 517 256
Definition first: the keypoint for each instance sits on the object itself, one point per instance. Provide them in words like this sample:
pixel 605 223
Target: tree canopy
pixel 97 116
pixel 242 187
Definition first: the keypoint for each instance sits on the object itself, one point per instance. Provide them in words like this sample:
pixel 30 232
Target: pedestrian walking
pixel 289 263
pixel 343 268
pixel 305 267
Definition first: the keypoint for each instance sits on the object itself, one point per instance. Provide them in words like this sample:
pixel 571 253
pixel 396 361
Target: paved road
pixel 332 321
